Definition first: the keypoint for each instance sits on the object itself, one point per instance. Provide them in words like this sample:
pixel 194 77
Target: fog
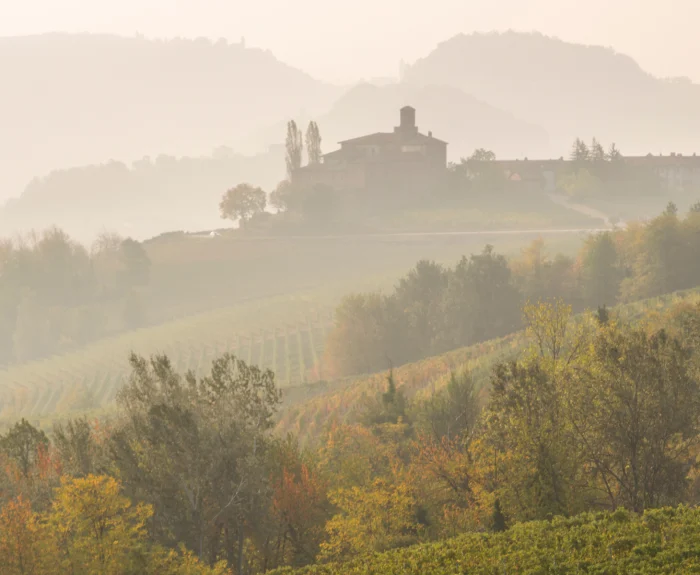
pixel 360 287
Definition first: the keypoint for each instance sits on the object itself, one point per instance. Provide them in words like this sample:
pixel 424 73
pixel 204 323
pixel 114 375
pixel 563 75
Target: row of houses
pixel 407 161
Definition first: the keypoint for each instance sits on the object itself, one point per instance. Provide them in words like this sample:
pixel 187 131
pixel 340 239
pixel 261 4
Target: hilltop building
pixel 402 161
pixel 675 172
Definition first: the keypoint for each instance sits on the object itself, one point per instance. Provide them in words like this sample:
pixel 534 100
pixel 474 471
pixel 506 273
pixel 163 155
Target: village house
pixel 403 161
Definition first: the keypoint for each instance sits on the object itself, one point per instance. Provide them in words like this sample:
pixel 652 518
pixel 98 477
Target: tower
pixel 407 124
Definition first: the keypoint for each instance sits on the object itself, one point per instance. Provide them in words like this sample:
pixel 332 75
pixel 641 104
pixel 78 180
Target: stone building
pixel 403 161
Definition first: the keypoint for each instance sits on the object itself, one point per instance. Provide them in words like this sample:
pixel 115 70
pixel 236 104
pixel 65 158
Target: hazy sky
pixel 351 39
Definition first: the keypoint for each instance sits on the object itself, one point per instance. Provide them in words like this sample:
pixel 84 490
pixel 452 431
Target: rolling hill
pixel 569 89
pixel 79 99
pixel 308 414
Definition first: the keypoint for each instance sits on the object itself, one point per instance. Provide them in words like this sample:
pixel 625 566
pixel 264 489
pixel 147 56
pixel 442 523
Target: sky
pixel 347 40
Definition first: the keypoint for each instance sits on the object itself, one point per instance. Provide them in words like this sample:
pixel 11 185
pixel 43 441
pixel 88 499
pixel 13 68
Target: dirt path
pixel 585 210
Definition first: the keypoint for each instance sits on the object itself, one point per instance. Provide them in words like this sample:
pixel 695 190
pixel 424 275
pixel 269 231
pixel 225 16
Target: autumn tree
pixel 299 505
pixel 242 203
pixel 97 529
pixel 633 410
pixel 313 143
pixel 370 519
pixel 21 550
pixel 526 434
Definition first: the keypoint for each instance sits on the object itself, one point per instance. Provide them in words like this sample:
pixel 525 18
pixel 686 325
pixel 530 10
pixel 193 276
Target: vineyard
pixel 660 541
pixel 285 335
pixel 339 401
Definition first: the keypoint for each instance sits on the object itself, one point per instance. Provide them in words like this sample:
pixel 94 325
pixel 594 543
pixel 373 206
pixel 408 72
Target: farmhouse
pixel 403 161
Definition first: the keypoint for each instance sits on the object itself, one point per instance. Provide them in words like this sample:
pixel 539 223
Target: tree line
pixel 246 202
pixel 435 308
pixel 55 294
pixel 190 477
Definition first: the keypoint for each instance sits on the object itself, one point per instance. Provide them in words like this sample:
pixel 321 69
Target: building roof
pixel 391 137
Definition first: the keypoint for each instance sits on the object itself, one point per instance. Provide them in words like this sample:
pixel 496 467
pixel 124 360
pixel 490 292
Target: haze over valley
pixel 397 295
pixel 74 103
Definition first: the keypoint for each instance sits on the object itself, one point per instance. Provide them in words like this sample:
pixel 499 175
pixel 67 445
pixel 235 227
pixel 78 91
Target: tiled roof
pixel 391 137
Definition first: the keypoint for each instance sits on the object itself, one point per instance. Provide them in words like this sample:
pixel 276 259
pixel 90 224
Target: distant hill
pixel 569 89
pixel 142 200
pixel 73 100
pixel 462 120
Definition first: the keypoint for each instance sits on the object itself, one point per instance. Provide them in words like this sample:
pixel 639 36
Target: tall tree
pixel 313 143
pixel 195 450
pixel 579 151
pixel 23 444
pixel 294 147
pixel 601 272
pixel 633 408
pixel 597 152
pixel 614 153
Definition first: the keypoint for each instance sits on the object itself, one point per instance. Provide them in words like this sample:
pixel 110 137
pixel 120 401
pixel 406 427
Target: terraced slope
pixel 312 408
pixel 88 379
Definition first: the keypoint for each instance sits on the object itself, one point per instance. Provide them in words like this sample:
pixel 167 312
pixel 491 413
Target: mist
pixel 349 289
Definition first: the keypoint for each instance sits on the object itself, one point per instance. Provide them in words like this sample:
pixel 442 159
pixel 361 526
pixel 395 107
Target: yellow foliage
pixel 376 518
pixel 96 529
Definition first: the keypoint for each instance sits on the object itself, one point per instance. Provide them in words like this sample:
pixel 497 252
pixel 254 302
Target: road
pixel 408 235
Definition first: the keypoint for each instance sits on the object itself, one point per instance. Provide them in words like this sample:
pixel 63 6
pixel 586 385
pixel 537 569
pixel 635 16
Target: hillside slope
pixel 70 100
pixel 307 414
pixel 569 89
pixel 142 200
pixel 660 541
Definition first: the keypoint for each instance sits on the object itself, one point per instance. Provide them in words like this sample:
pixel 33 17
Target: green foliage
pixel 659 541
pixel 195 449
pixel 431 309
pixel 23 444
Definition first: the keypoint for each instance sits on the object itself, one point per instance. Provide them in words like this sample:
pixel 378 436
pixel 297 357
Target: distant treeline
pixel 142 200
pixel 434 309
pixel 56 295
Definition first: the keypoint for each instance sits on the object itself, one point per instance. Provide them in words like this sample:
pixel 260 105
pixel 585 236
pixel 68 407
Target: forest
pixel 589 434
pixel 435 308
